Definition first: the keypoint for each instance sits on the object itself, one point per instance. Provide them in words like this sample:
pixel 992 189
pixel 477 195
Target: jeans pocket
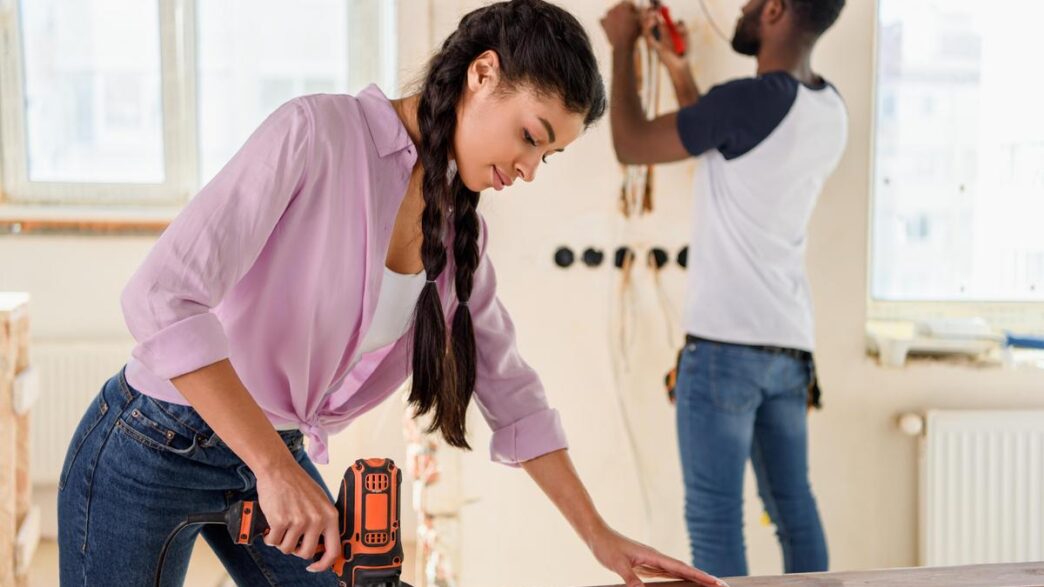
pixel 164 426
pixel 734 373
pixel 91 418
pixel 715 376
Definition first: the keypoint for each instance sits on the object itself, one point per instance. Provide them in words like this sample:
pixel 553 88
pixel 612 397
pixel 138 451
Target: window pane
pixel 93 90
pixel 256 54
pixel 959 178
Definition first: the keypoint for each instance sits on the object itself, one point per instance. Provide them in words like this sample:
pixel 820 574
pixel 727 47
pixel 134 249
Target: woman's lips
pixel 500 181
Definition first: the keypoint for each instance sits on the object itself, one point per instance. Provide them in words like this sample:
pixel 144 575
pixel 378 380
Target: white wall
pixel 864 471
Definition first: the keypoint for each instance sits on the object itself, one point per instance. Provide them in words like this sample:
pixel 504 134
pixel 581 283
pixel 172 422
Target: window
pixel 143 101
pixel 92 93
pixel 959 153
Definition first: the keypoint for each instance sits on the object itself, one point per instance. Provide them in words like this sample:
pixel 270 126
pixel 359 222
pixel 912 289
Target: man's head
pixel 784 22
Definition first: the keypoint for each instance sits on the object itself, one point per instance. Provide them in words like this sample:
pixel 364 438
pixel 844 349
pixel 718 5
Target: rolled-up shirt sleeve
pixel 168 302
pixel 507 390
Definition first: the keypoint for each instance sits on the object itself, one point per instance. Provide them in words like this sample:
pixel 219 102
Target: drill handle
pixel 245 522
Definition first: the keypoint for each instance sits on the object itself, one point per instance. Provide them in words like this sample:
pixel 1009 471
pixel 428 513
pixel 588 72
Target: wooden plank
pixel 27 540
pixel 7 349
pixel 23 480
pixel 12 302
pixel 26 391
pixel 8 518
pixel 14 344
pixel 20 332
pixel 14 357
pixel 1005 575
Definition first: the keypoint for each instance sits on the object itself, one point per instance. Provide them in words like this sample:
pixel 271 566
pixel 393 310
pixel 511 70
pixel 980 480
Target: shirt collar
pixel 387 131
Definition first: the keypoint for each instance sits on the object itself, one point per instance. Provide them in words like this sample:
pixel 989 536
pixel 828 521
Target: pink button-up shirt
pixel 277 264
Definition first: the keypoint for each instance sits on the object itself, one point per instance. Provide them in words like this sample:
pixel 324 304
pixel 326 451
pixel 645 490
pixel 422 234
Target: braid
pixel 451 418
pixel 538 44
pixel 437 118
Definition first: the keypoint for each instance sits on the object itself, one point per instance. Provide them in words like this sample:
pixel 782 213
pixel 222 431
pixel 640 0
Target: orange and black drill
pixel 368 507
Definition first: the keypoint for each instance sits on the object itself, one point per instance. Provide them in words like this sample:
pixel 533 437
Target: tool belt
pixel 814 391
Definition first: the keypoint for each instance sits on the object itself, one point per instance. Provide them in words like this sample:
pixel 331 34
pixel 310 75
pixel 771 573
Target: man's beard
pixel 746 40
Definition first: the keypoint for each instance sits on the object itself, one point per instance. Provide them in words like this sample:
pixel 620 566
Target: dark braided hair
pixel 543 48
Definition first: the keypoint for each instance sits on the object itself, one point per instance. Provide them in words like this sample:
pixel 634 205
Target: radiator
pixel 70 374
pixel 982 478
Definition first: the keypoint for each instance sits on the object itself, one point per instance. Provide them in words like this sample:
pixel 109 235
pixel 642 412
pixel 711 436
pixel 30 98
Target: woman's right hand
pixel 298 510
pixel 298 513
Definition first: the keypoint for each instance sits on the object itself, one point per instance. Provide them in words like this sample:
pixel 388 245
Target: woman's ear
pixel 484 72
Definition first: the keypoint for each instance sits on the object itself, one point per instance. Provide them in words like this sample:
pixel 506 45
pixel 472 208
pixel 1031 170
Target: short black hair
pixel 816 16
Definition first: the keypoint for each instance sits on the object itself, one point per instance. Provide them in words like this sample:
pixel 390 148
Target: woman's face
pixel 503 136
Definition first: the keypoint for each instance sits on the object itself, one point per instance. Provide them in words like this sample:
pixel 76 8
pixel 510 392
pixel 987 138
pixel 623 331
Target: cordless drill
pixel 370 553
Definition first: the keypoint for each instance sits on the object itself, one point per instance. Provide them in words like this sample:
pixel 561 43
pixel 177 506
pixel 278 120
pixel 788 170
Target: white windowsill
pixel 896 344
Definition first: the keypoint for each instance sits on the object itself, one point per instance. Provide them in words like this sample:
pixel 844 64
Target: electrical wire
pixel 191 520
pixel 636 200
pixel 670 316
pixel 713 23
pixel 620 309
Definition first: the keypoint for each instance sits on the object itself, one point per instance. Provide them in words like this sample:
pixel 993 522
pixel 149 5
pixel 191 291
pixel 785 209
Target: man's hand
pixel 622 25
pixel 664 47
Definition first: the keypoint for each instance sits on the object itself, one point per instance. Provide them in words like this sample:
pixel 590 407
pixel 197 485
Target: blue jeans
pixel 135 468
pixel 735 402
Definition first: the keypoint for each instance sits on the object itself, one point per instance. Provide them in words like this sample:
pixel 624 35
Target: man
pixel 767 144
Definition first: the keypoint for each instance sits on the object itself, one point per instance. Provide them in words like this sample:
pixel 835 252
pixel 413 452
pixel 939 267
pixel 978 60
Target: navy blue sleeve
pixel 736 116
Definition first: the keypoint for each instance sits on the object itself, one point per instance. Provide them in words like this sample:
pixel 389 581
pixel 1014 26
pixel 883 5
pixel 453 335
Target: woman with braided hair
pixel 336 254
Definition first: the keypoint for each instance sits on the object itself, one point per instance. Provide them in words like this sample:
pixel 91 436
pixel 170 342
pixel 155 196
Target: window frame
pixel 178 64
pixel 1020 314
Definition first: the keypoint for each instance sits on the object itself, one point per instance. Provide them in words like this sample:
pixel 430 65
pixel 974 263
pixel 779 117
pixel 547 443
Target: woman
pixel 278 306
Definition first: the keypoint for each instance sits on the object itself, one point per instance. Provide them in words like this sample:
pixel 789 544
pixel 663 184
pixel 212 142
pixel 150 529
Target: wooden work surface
pixel 1009 575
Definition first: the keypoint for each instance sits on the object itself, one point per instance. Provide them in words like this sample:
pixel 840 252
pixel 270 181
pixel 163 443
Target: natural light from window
pixel 959 166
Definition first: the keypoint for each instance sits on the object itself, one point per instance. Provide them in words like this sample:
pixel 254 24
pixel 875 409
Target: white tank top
pixel 395 304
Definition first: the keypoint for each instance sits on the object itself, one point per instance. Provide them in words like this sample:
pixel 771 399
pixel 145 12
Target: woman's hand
pixel 555 475
pixel 297 509
pixel 632 560
pixel 298 512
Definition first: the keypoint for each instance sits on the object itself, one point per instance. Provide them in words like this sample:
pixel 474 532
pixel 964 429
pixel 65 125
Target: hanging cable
pixel 622 320
pixel 714 24
pixel 657 260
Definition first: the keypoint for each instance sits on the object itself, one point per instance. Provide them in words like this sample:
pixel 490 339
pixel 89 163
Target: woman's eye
pixel 532 141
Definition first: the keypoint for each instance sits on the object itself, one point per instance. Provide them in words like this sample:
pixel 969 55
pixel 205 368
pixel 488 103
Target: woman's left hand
pixel 632 560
